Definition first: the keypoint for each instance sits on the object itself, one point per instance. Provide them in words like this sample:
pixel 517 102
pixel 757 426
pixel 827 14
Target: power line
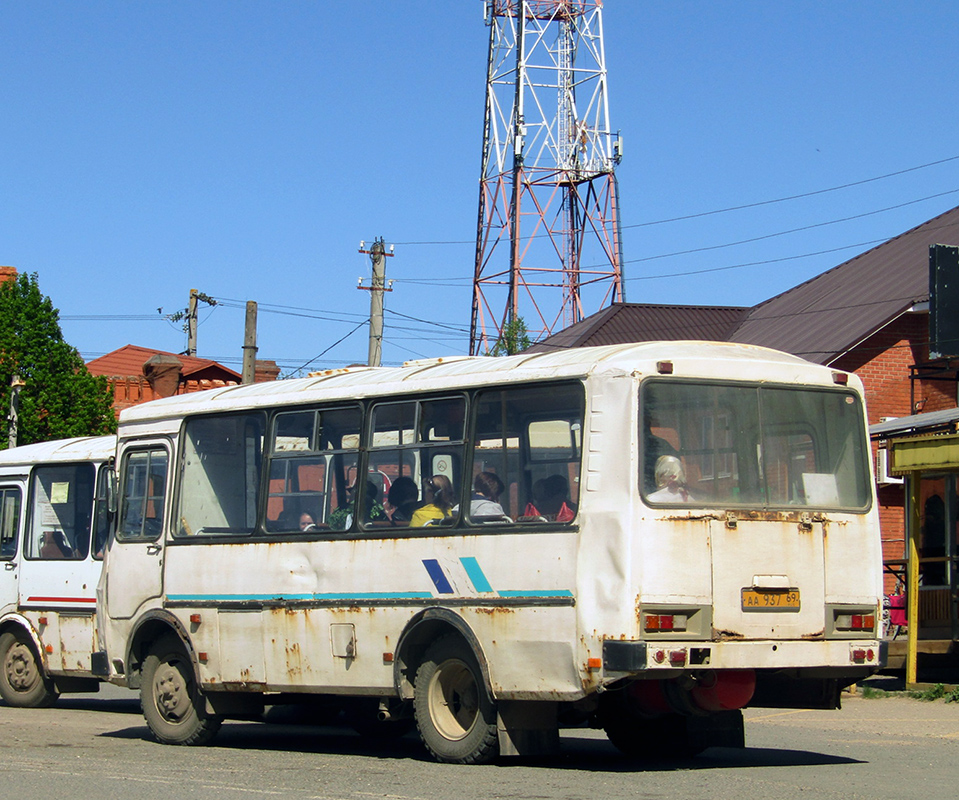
pixel 338 341
pixel 793 230
pixel 795 196
pixel 739 207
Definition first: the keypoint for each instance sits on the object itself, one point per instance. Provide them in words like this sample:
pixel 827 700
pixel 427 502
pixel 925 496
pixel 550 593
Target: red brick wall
pixel 882 363
pixel 133 390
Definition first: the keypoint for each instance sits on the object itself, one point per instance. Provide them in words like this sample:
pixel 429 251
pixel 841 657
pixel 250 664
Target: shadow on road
pixel 577 752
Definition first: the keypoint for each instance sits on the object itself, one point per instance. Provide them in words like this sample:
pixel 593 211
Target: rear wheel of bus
pixel 172 705
pixel 454 712
pixel 23 681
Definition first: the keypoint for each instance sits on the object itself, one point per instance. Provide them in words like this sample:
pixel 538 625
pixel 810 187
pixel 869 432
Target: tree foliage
pixel 60 398
pixel 513 338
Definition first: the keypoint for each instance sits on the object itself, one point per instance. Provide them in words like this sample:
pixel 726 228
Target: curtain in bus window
pixel 220 474
pixel 9 520
pixel 142 490
pixel 311 454
pixel 528 442
pixel 61 508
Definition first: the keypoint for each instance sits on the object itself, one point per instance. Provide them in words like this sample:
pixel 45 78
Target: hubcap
pixel 171 693
pixel 20 668
pixel 453 699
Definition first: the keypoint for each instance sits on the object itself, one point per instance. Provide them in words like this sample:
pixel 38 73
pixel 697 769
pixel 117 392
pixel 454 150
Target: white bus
pixel 264 550
pixel 54 523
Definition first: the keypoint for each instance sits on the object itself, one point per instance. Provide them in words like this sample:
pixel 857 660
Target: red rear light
pixel 855 622
pixel 665 622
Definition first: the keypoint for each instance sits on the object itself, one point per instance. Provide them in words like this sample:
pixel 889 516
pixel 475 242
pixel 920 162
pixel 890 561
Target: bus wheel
pixel 23 682
pixel 453 710
pixel 172 705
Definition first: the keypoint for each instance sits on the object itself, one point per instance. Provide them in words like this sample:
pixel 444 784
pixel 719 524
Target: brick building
pixel 139 374
pixel 868 315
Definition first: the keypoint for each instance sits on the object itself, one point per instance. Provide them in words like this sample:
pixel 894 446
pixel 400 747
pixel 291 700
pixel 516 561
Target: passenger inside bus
pixel 440 491
pixel 401 501
pixel 487 487
pixel 670 481
pixel 342 518
pixel 307 523
pixel 551 500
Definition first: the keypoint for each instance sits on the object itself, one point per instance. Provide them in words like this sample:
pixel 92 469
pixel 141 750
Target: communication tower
pixel 548 240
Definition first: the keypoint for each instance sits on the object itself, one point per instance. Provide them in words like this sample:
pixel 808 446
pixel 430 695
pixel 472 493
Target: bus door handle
pixel 153 549
pixel 9 566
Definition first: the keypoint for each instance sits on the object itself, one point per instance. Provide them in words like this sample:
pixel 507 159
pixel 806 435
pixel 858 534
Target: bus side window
pixel 61 508
pixel 143 486
pixel 530 438
pixel 9 520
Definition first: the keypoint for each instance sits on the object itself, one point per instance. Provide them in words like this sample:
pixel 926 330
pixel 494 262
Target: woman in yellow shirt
pixel 441 502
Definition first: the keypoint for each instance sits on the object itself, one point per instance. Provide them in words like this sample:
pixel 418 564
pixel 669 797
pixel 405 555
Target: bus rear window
pixel 714 444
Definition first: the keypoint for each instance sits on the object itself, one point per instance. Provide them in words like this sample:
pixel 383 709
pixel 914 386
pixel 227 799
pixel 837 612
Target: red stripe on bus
pixel 61 599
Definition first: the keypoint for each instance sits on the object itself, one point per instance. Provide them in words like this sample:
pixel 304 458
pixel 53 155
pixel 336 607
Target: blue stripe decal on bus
pixel 536 593
pixel 232 598
pixel 475 573
pixel 439 579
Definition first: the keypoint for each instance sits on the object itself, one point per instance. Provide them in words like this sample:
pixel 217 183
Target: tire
pixel 453 709
pixel 23 682
pixel 172 705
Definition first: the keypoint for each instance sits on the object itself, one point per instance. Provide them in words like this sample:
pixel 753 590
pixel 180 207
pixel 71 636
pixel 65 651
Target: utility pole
pixel 191 324
pixel 15 386
pixel 191 318
pixel 249 343
pixel 377 254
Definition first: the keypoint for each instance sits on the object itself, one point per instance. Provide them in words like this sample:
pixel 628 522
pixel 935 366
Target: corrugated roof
pixel 930 422
pixel 818 320
pixel 828 315
pixel 622 323
pixel 130 358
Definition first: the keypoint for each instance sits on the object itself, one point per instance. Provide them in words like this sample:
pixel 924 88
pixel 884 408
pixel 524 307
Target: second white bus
pixel 55 516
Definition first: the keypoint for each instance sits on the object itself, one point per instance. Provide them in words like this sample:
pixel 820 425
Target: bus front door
pixel 10 505
pixel 134 562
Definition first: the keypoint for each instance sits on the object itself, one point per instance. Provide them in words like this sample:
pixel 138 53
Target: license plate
pixel 770 599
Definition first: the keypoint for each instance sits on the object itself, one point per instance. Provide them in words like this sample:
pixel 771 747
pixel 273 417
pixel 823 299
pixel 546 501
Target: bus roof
pixel 696 359
pixel 84 448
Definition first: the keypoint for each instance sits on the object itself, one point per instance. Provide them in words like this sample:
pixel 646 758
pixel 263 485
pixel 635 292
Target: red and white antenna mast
pixel 548 239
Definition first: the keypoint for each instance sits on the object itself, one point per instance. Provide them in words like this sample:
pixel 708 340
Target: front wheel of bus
pixel 172 705
pixel 454 712
pixel 23 682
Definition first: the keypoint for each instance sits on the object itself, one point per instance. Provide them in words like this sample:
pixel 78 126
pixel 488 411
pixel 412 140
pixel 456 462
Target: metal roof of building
pixel 930 422
pixel 622 323
pixel 818 320
pixel 828 315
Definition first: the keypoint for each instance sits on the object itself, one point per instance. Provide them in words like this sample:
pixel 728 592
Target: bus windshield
pixel 764 446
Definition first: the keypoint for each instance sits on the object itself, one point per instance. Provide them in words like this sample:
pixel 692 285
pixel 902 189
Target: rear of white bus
pixel 755 558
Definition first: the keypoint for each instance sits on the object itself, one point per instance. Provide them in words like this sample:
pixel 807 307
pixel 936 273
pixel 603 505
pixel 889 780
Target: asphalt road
pixel 98 746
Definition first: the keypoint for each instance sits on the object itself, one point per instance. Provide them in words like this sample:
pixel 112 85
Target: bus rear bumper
pixel 843 655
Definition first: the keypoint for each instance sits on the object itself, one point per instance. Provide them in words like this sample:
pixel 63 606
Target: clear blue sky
pixel 245 148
